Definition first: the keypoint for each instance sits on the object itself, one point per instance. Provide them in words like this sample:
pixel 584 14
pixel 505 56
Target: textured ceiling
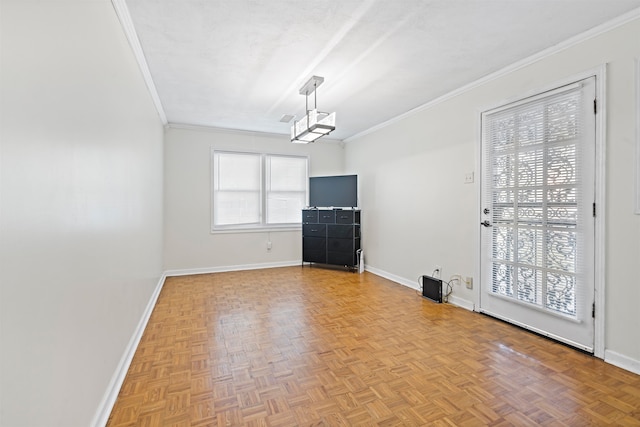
pixel 239 64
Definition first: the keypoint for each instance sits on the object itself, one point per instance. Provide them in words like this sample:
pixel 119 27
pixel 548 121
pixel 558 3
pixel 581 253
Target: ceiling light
pixel 314 124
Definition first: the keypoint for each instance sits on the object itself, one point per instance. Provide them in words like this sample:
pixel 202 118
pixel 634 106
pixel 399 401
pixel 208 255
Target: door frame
pixel 600 73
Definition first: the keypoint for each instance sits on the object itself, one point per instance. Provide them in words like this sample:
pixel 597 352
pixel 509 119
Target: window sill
pixel 256 229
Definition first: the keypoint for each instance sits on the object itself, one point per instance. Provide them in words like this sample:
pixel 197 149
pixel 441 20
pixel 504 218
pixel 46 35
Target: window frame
pixel 600 72
pixel 262 225
pixel 538 104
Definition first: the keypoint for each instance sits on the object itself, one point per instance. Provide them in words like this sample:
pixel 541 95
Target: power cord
pixel 454 278
pixel 445 297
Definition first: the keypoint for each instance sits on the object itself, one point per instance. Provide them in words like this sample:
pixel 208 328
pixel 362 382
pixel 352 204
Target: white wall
pixel 80 207
pixel 189 243
pixel 417 211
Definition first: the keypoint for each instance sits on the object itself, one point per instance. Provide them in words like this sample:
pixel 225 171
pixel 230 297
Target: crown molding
pixel 205 128
pixel 580 38
pixel 130 32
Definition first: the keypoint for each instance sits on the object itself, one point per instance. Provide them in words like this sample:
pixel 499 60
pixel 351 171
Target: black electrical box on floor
pixel 432 288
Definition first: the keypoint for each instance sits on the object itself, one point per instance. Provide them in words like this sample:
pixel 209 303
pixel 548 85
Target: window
pixel 257 190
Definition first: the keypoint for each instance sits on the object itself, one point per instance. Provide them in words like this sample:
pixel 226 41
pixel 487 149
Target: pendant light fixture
pixel 314 124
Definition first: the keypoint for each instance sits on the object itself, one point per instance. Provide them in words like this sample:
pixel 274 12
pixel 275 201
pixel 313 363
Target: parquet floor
pixel 316 347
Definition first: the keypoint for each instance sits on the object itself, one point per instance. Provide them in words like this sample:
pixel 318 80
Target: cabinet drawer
pixel 344 217
pixel 314 256
pixel 341 258
pixel 340 245
pixel 309 216
pixel 326 216
pixel 314 249
pixel 314 230
pixel 343 231
pixel 315 243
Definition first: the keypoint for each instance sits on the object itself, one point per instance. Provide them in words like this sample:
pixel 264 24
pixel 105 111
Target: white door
pixel 537 220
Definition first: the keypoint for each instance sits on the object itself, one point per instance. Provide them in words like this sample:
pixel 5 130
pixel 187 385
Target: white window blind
pixel 286 188
pixel 533 155
pixel 257 190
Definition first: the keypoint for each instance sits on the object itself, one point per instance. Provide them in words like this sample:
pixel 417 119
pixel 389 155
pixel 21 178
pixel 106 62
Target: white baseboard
pixel 109 399
pixel 616 359
pixel 462 303
pixel 106 405
pixel 111 394
pixel 453 300
pixel 622 361
pixel 207 270
pixel 401 280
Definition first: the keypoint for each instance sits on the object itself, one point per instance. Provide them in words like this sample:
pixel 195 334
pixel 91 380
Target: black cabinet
pixel 314 242
pixel 310 216
pixel 326 216
pixel 331 236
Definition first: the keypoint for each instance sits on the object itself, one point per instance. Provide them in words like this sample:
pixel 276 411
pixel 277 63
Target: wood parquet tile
pixel 302 346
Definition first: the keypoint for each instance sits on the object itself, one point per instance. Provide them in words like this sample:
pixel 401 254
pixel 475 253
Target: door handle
pixel 486 223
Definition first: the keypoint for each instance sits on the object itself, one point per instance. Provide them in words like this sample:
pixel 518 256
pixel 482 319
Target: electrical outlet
pixel 437 272
pixel 468 178
pixel 469 282
pixel 269 245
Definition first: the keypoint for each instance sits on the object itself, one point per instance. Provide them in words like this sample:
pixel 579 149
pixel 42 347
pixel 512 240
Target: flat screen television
pixel 333 191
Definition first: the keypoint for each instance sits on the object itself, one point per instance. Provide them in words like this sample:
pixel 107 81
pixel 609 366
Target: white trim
pixel 106 405
pixel 453 300
pixel 599 337
pixel 600 73
pixel 478 218
pixel 265 174
pixel 225 268
pixel 256 229
pixel 413 284
pixel 594 32
pixel 461 302
pixel 101 416
pixel 130 32
pixel 637 118
pixel 537 331
pixel 205 128
pixel 543 90
pixel 566 85
pixel 622 361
